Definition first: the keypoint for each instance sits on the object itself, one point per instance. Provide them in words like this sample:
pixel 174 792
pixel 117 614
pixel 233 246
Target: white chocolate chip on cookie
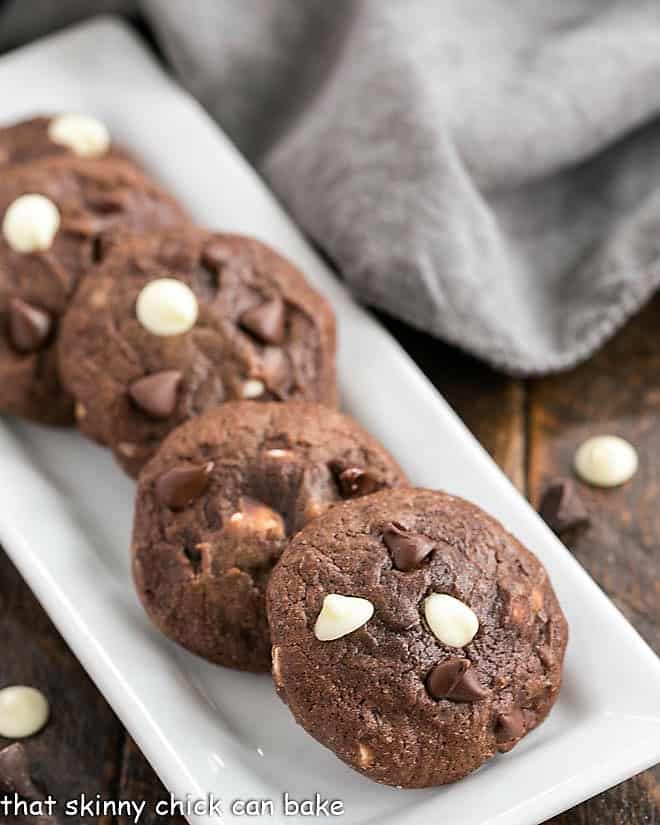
pixel 31 223
pixel 341 615
pixel 86 136
pixel 451 621
pixel 253 388
pixel 166 306
pixel 254 517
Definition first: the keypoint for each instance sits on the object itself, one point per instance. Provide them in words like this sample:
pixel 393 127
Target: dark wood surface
pixel 531 428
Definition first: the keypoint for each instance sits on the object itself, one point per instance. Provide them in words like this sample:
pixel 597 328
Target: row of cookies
pixel 410 633
pixel 64 189
pixel 406 630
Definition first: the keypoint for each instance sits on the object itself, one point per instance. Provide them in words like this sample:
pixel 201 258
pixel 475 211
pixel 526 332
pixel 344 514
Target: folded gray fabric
pixel 487 170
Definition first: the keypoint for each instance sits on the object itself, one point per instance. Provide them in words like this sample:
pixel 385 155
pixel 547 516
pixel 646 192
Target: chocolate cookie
pixel 180 321
pixel 72 135
pixel 413 636
pixel 217 504
pixel 55 214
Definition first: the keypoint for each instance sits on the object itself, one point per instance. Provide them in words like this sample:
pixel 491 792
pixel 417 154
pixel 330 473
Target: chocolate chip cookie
pixel 413 636
pixel 73 135
pixel 182 320
pixel 55 215
pixel 218 503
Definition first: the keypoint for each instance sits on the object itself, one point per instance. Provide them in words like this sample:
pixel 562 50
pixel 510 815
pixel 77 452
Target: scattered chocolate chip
pixel 15 773
pixel 29 327
pixel 408 549
pixel 509 725
pixel 562 508
pixel 354 482
pixel 181 485
pixel 266 321
pixel 156 394
pixel 455 679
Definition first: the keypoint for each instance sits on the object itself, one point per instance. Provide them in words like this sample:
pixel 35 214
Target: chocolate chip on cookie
pixel 441 640
pixel 54 216
pixel 218 503
pixel 176 322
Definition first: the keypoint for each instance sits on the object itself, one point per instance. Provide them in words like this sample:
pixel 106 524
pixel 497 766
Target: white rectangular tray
pixel 66 517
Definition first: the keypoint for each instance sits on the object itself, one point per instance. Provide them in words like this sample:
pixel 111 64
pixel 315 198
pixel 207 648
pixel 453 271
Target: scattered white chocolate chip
pixel 276 452
pixel 31 223
pixel 86 136
pixel 451 620
pixel 253 388
pixel 606 461
pixel 23 711
pixel 166 306
pixel 341 615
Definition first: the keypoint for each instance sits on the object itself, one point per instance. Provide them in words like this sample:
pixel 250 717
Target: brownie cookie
pixel 182 320
pixel 73 135
pixel 55 214
pixel 413 636
pixel 217 504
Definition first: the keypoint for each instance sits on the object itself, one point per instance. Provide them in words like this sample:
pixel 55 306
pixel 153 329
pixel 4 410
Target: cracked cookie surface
pixel 218 503
pixel 93 198
pixel 261 332
pixel 390 698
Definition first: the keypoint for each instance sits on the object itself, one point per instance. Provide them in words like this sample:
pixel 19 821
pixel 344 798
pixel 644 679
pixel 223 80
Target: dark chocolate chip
pixel 509 726
pixel 181 485
pixel 455 679
pixel 156 394
pixel 562 508
pixel 354 482
pixel 15 772
pixel 265 321
pixel 29 327
pixel 408 549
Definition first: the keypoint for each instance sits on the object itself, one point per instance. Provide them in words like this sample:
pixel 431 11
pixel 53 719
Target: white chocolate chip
pixel 341 615
pixel 23 711
pixel 86 136
pixel 451 620
pixel 276 669
pixel 166 306
pixel 253 388
pixel 606 461
pixel 365 755
pixel 31 223
pixel 276 452
pixel 257 518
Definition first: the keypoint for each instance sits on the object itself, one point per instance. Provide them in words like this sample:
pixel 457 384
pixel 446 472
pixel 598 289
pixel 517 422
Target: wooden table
pixel 531 428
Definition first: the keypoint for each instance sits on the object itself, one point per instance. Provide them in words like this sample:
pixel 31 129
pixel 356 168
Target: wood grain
pixel 78 750
pixel 617 391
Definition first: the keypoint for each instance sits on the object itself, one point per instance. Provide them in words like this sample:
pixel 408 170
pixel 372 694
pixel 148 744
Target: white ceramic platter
pixel 66 516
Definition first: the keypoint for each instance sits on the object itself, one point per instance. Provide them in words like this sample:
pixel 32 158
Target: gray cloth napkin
pixel 487 170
